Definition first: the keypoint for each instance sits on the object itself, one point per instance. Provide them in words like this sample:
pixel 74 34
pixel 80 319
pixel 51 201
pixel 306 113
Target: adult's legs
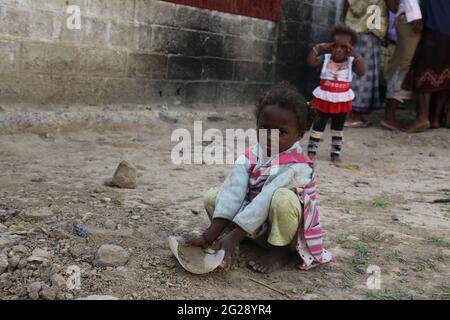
pixel 437 108
pixel 423 115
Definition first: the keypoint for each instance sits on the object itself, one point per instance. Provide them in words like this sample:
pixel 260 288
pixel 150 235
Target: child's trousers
pixel 284 216
pixel 337 132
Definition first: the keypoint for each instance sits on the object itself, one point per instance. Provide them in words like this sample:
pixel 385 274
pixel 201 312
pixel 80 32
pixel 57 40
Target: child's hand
pixel 351 50
pixel 324 47
pixel 230 245
pixel 198 242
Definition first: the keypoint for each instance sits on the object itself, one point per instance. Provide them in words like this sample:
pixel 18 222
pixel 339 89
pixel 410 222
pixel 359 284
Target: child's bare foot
pixel 419 127
pixel 276 259
pixel 336 159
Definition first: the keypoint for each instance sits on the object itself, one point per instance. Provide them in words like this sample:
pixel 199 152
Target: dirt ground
pixel 377 209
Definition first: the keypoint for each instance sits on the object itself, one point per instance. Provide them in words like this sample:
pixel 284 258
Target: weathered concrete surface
pixel 145 51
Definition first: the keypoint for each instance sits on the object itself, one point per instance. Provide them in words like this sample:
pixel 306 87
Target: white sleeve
pixel 412 10
pixel 232 193
pixel 257 212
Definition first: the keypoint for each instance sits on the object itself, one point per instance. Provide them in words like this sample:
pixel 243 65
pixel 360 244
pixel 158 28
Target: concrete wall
pixel 145 51
pixel 304 23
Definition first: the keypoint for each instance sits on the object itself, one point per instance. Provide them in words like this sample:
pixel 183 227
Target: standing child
pixel 333 98
pixel 270 196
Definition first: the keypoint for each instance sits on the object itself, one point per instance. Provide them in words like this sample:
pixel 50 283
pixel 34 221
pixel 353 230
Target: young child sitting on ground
pixel 333 98
pixel 270 197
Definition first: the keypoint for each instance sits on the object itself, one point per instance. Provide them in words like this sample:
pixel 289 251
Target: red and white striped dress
pixel 334 95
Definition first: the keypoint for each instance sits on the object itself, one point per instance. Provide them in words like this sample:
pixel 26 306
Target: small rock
pixel 136 217
pixel 20 249
pixel 69 296
pixel 98 297
pixel 111 256
pixel 432 154
pixel 109 224
pixel 39 214
pixel 34 289
pixel 22 263
pixel 395 218
pixel 167 118
pixel 58 281
pixel 125 176
pixel 40 255
pixel 3 263
pixel 352 238
pixel 13 262
pixel 105 200
pixel 8 240
pixel 48 293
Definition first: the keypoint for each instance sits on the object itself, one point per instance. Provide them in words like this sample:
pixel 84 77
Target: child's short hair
pixel 286 96
pixel 344 30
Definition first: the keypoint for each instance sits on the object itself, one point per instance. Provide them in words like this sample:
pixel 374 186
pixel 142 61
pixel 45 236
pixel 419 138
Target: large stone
pixel 111 256
pixel 125 176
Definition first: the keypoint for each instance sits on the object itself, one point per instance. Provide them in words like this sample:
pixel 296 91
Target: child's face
pixel 275 118
pixel 339 49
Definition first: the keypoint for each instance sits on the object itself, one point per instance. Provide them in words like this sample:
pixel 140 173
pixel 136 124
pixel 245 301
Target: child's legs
pixel 337 133
pixel 318 129
pixel 284 217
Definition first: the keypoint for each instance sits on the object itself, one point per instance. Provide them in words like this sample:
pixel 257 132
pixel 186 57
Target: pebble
pixel 110 224
pixel 8 240
pixel 135 217
pixel 395 218
pixel 40 255
pixel 99 297
pixel 33 290
pixel 58 281
pixel 352 238
pixel 111 256
pixel 125 176
pixel 3 263
pixel 38 214
pixel 48 293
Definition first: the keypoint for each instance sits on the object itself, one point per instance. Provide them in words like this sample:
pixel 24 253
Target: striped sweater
pixel 246 195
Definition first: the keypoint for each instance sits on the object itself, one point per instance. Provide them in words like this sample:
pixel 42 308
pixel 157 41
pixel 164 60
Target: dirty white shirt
pixel 411 9
pixel 232 194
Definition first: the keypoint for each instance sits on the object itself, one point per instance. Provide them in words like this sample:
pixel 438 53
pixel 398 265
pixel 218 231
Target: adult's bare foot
pixel 419 127
pixel 274 260
pixel 435 125
pixel 390 125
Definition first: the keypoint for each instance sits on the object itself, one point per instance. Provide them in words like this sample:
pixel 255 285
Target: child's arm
pixel 358 65
pixel 229 200
pixel 256 213
pixel 319 49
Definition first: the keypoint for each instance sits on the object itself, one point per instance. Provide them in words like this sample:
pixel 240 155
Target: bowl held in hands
pixel 196 260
